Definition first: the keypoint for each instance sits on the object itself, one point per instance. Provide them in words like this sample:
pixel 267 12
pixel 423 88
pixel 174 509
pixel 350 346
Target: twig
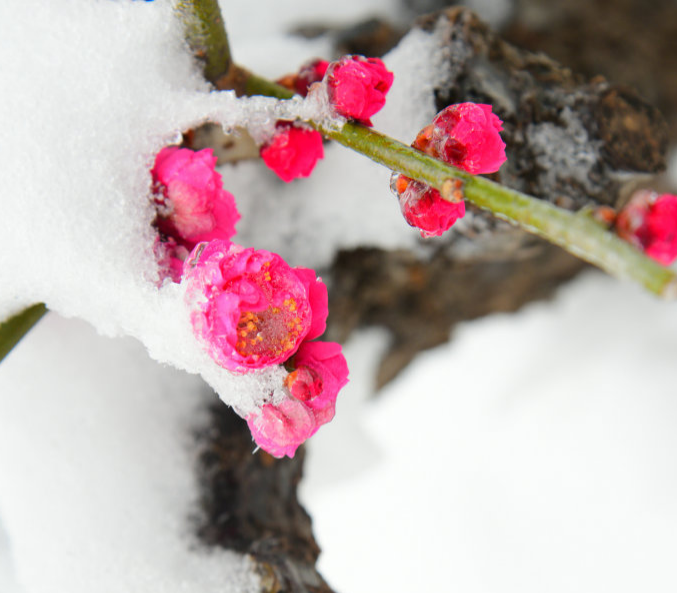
pixel 206 35
pixel 15 328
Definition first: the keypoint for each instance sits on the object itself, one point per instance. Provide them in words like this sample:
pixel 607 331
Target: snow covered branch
pixel 206 35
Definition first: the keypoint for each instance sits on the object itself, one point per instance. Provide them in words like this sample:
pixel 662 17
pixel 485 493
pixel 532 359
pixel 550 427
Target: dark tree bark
pixel 631 42
pixel 249 504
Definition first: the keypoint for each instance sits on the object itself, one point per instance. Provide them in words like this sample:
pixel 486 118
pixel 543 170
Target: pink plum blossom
pixel 250 309
pixel 292 152
pixel 649 222
pixel 466 135
pixel 319 372
pixel 192 204
pixel 424 208
pixel 357 86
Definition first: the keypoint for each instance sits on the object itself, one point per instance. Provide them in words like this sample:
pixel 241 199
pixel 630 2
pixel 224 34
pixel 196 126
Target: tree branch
pixel 15 328
pixel 579 234
pixel 206 35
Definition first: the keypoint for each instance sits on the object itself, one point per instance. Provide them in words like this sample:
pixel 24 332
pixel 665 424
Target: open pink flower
pixel 250 308
pixel 192 204
pixel 649 221
pixel 424 208
pixel 320 371
pixel 357 86
pixel 292 152
pixel 467 136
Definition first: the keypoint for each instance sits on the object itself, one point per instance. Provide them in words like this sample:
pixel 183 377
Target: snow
pixel 8 582
pixel 75 170
pixel 97 469
pixel 534 452
pixel 569 147
pixel 92 90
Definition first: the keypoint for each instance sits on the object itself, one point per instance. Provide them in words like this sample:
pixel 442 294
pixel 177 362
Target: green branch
pixel 206 36
pixel 578 234
pixel 15 328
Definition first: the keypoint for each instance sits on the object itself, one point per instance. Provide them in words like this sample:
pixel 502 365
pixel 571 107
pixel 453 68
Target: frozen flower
pixel 310 73
pixel 280 429
pixel 250 309
pixel 649 221
pixel 170 257
pixel 292 152
pixel 424 208
pixel 357 86
pixel 423 141
pixel 319 372
pixel 192 204
pixel 467 136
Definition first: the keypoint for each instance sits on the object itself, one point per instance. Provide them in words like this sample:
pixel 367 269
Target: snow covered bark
pixel 630 44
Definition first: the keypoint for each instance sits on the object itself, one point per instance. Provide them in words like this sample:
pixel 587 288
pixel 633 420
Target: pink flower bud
pixel 192 204
pixel 292 152
pixel 310 73
pixel 250 308
pixel 424 208
pixel 280 429
pixel 319 374
pixel 423 141
pixel 467 136
pixel 357 86
pixel 170 257
pixel 649 222
pixel 321 371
